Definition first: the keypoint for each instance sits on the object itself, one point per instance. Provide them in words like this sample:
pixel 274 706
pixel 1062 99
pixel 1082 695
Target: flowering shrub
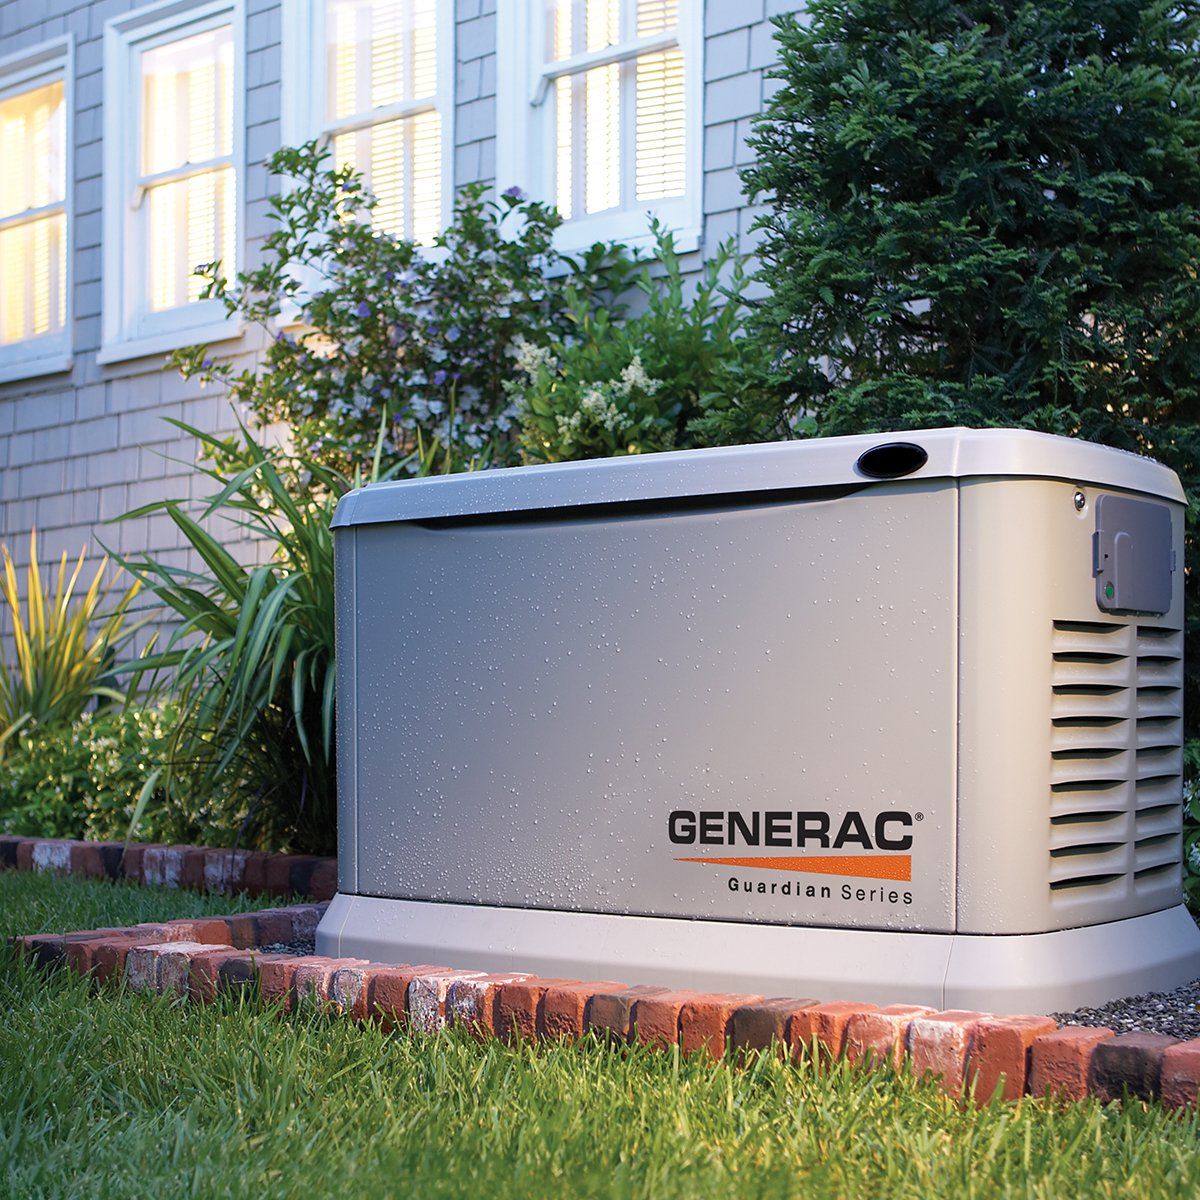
pixel 364 327
pixel 675 375
pixel 86 780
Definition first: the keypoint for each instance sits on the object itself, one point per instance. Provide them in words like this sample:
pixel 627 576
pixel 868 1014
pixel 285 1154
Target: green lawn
pixel 124 1095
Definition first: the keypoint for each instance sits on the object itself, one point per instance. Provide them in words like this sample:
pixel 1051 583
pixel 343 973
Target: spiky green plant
pixel 253 650
pixel 63 642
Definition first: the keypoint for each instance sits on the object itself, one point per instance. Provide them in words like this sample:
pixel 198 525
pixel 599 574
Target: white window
pixel 35 240
pixel 374 80
pixel 172 156
pixel 598 112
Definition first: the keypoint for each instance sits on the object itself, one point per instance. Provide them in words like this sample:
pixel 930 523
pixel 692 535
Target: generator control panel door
pixel 1132 557
pixel 740 711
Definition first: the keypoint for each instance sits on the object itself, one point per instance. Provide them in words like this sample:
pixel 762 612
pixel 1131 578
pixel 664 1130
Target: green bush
pixel 252 652
pixel 675 375
pixel 361 326
pixel 64 642
pixel 989 214
pixel 85 779
pixel 1191 825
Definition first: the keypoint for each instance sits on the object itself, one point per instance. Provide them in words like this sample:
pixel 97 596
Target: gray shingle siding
pixel 81 447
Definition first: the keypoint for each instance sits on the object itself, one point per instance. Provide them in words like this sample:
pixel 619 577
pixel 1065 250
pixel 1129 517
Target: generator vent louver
pixel 1116 761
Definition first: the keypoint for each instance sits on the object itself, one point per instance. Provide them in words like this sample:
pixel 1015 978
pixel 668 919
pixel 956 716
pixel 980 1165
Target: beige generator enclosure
pixel 881 718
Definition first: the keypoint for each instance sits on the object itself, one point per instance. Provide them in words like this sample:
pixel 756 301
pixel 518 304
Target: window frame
pixel 127 329
pixel 303 88
pixel 46 63
pixel 526 142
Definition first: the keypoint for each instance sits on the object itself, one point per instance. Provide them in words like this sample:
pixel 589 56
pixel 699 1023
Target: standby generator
pixel 876 718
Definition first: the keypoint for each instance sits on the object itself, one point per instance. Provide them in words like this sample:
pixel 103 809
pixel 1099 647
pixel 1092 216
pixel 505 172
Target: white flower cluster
pixel 634 376
pixel 531 358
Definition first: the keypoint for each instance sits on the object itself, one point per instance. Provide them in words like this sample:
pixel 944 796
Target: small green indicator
pixel 1109 591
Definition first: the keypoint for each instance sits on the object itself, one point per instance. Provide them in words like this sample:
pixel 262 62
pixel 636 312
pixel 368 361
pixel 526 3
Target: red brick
pixel 132 860
pixel 162 866
pixel 254 874
pixel 162 966
pixel 387 999
pixel 765 1023
pixel 704 1021
pixel 174 969
pixel 205 971
pixel 471 1003
pixel 563 1011
pixel 656 1018
pixel 300 870
pixel 273 925
pixel 313 979
pixel 1000 1054
pixel 243 930
pixel 275 973
pixel 350 988
pixel 214 931
pixel 223 870
pixel 517 1005
pixel 81 956
pixel 427 998
pixel 191 875
pixel 108 956
pixel 1129 1064
pixel 53 854
pixel 45 949
pixel 939 1044
pixel 87 861
pixel 277 877
pixel 8 850
pixel 881 1037
pixel 305 919
pixel 824 1025
pixel 1180 1086
pixel 322 884
pixel 24 854
pixel 610 1014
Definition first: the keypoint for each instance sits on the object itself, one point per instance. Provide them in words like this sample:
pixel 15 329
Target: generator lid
pixel 726 471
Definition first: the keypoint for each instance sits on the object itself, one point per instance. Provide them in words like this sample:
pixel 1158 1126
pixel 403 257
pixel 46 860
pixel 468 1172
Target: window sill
pixel 35 368
pixel 164 343
pixel 574 241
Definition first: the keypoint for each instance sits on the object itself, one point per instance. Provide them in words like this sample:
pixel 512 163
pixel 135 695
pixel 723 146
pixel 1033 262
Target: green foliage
pixel 674 375
pixel 1191 825
pixel 253 650
pixel 85 780
pixel 988 214
pixel 362 327
pixel 64 643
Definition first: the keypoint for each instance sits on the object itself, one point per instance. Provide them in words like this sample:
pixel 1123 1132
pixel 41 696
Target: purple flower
pixel 439 377
pixel 452 333
pixel 206 364
pixel 513 193
pixel 362 309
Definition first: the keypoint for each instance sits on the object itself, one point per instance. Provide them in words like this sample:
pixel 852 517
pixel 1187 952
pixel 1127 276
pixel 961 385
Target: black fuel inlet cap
pixel 892 460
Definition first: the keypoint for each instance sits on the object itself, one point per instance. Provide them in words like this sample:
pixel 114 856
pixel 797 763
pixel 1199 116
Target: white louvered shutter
pixel 33 221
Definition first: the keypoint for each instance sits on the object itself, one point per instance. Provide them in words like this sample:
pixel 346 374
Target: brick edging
pixel 1015 1055
pixel 200 868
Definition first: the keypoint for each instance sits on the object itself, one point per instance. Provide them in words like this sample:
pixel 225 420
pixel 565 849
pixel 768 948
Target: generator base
pixel 1036 973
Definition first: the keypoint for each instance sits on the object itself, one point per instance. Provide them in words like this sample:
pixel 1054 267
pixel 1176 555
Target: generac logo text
pixel 799 830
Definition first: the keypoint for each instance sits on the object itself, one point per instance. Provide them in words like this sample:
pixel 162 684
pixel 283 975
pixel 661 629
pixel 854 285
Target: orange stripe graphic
pixel 861 866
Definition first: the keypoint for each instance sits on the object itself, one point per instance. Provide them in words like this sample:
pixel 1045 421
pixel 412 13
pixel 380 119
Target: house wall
pixel 80 448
